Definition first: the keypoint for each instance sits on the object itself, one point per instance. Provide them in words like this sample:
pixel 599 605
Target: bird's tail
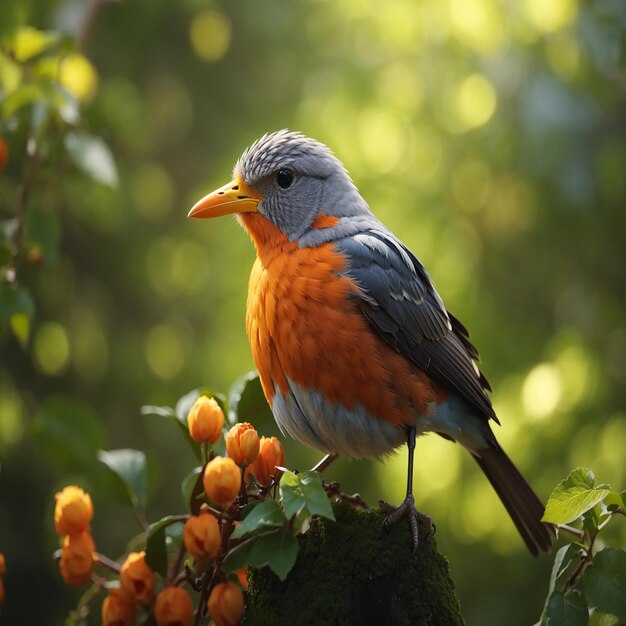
pixel 520 501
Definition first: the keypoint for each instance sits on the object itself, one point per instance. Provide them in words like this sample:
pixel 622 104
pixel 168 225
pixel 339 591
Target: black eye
pixel 284 178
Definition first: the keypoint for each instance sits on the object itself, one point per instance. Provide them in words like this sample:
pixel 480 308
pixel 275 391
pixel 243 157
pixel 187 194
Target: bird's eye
pixel 284 178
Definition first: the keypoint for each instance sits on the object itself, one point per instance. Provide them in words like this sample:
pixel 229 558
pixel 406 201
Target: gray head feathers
pixel 319 184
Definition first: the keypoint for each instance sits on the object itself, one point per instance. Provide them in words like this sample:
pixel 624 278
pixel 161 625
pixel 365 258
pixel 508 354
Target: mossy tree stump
pixel 348 573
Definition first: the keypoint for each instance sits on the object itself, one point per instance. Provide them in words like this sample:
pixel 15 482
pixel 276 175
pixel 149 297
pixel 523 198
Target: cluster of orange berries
pixel 251 459
pixel 73 512
pixel 259 458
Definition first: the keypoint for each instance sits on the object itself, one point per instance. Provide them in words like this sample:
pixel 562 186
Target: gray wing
pixel 400 302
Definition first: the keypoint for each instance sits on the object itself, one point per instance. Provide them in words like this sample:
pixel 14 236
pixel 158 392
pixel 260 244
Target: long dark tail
pixel 520 501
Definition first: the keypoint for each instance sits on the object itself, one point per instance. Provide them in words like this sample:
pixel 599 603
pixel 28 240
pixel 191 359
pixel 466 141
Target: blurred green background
pixel 489 135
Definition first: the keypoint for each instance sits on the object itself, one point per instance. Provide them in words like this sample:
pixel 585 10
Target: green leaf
pixel 573 496
pixel 278 549
pixel 569 609
pixel 266 514
pixel 23 96
pixel 181 423
pixel 247 402
pixel 615 501
pixel 316 499
pixel 562 560
pixel 304 491
pixel 68 433
pixel 92 156
pixel 156 548
pixel 191 488
pixel 130 467
pixel 605 582
pixel 291 494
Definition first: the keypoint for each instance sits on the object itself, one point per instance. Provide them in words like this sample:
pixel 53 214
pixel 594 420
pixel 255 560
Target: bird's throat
pixel 268 239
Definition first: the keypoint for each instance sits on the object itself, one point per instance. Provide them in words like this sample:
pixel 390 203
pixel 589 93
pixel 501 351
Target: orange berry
pixel 205 420
pixel 77 559
pixel 242 576
pixel 222 481
pixel 4 153
pixel 73 511
pixel 118 611
pixel 173 607
pixel 271 454
pixel 201 535
pixel 226 604
pixel 136 578
pixel 3 567
pixel 242 444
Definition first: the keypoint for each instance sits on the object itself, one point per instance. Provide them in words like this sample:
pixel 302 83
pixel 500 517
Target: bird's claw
pixel 407 509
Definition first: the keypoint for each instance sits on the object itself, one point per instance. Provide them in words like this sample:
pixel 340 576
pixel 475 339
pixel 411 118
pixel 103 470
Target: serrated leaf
pixel 573 496
pixel 156 548
pixel 277 549
pixel 605 582
pixel 569 609
pixel 266 514
pixel 92 156
pixel 247 403
pixel 191 487
pixel 130 467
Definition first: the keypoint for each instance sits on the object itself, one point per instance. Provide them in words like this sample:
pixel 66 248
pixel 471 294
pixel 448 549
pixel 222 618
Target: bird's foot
pixel 407 509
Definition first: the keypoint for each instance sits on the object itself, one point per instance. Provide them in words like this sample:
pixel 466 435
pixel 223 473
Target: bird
pixel 355 349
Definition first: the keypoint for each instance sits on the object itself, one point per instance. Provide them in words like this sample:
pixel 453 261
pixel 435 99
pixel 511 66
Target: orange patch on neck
pixel 323 220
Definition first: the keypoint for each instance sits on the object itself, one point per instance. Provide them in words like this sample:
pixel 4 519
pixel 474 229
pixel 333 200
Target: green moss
pixel 349 573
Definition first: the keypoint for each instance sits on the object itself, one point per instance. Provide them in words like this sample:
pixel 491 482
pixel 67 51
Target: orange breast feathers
pixel 304 325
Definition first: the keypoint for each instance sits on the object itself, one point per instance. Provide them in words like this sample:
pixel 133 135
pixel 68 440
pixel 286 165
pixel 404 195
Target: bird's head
pixel 288 179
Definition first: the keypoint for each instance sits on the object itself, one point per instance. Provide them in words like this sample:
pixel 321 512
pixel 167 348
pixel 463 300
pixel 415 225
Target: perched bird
pixel 355 349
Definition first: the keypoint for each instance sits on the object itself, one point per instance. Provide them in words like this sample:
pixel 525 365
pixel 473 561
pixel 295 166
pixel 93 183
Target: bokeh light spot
pixel 210 35
pixel 52 349
pixel 475 101
pixel 382 139
pixel 541 391
pixel 79 77
pixel 550 15
pixel 165 353
pixel 478 24
pixel 11 416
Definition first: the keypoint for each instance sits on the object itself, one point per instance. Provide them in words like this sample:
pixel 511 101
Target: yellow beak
pixel 235 197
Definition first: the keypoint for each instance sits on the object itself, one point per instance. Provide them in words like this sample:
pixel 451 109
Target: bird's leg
pixel 325 462
pixel 407 508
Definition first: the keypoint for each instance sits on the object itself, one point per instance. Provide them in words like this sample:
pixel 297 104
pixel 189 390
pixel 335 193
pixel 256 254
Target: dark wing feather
pixel 400 302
